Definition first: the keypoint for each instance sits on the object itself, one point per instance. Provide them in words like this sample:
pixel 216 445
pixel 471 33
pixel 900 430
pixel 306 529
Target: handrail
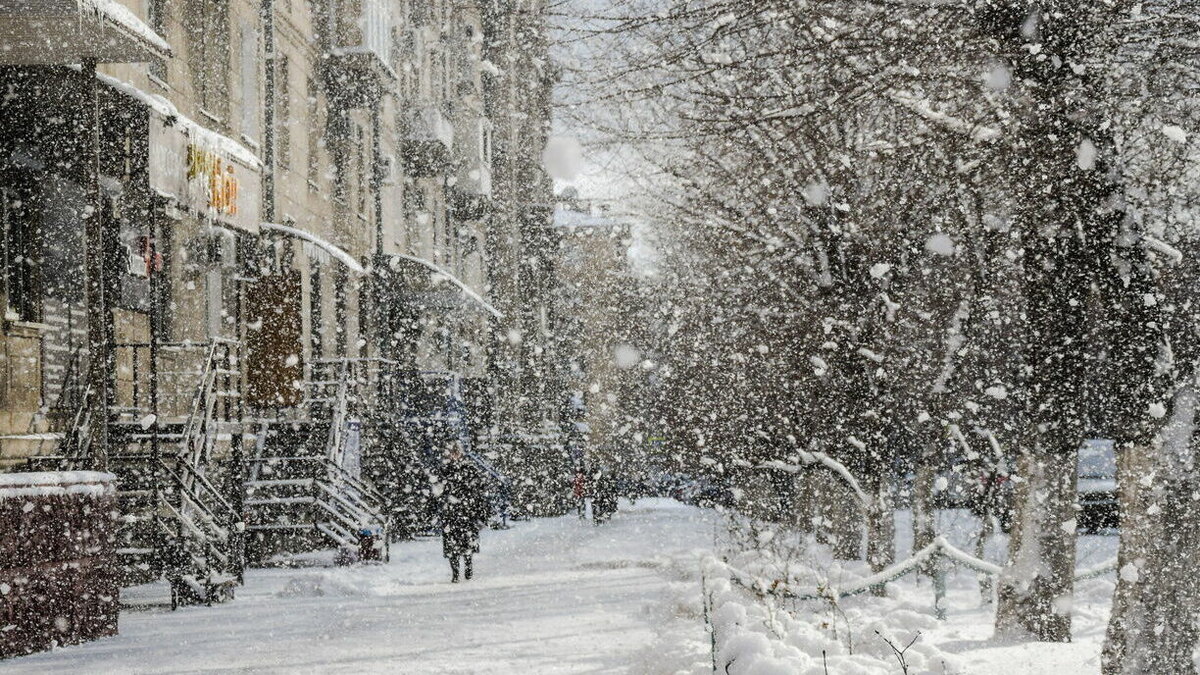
pixel 199 398
pixel 936 551
pixel 216 339
pixel 204 482
pixel 70 380
pixel 78 440
pixel 346 476
pixel 197 493
pixel 333 445
pixel 356 359
pixel 357 482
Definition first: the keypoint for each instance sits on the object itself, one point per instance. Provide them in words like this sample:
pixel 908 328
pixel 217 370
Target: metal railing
pixel 937 557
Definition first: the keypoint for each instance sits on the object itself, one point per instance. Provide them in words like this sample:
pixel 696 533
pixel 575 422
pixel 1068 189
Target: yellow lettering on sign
pixel 220 181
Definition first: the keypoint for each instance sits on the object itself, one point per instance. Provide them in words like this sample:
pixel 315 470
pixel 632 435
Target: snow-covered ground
pixel 562 596
pixel 779 635
pixel 550 596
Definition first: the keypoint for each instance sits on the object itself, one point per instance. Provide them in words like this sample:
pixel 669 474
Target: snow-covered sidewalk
pixel 550 596
pixel 559 595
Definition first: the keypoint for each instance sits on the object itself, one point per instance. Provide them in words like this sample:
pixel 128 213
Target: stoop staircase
pixel 304 490
pixel 177 521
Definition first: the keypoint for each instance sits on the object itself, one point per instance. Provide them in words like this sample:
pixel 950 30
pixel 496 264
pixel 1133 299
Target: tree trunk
pixel 1036 587
pixel 922 498
pixel 881 529
pixel 806 503
pixel 843 520
pixel 1136 533
pixel 1153 628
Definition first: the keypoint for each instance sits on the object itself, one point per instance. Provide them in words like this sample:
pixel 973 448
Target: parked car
pixel 1097 485
pixel 705 493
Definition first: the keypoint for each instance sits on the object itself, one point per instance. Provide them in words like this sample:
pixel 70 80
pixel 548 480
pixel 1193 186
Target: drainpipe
pixel 100 347
pixel 268 178
pixel 374 339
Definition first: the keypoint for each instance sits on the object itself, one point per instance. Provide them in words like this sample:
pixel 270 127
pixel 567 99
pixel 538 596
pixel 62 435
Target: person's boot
pixel 467 567
pixel 454 570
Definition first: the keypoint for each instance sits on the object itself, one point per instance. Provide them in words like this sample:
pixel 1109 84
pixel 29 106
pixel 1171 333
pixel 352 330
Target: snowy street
pixel 892 307
pixel 558 595
pixel 550 596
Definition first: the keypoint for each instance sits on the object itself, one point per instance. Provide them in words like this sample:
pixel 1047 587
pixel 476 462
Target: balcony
pixel 360 57
pixel 70 31
pixel 475 178
pixel 427 141
pixel 471 197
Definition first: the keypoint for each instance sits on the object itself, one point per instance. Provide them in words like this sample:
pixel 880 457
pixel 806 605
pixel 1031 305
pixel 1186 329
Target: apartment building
pixel 238 235
pixel 523 257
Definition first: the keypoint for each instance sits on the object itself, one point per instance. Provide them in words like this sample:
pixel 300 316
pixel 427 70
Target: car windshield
pixel 1097 459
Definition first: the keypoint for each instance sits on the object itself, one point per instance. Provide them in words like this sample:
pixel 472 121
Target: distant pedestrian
pixel 463 510
pixel 604 495
pixel 579 489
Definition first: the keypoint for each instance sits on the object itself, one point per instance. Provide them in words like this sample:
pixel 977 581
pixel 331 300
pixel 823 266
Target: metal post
pixel 236 373
pixel 939 585
pixel 100 350
pixel 709 626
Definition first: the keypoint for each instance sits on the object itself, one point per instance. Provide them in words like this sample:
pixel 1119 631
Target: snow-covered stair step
pixel 341 538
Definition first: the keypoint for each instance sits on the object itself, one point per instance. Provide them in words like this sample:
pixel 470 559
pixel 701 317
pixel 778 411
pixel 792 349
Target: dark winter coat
pixel 463 508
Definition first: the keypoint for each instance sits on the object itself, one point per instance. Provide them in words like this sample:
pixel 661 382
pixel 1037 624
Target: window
pixel 156 17
pixel 249 75
pixel 283 112
pixel 315 310
pixel 361 168
pixel 19 250
pixel 207 26
pixel 414 204
pixel 376 23
pixel 314 136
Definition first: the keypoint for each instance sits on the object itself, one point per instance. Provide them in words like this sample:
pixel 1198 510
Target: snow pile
pixel 759 636
pixel 55 483
pixel 345 582
pixel 200 134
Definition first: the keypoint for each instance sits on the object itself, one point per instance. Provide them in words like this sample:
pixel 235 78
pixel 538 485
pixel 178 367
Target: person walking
pixel 463 510
pixel 604 496
pixel 579 489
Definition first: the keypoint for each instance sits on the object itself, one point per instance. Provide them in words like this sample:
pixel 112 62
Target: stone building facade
pixel 611 364
pixel 217 208
pixel 523 249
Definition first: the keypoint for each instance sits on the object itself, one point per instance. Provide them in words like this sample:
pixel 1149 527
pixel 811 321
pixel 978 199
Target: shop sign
pixel 201 177
pixel 217 179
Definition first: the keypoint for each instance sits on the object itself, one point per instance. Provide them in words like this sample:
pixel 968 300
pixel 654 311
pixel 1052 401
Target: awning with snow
pixel 198 168
pixel 44 32
pixel 319 246
pixel 445 275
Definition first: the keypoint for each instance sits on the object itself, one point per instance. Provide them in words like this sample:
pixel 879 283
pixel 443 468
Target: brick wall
pixel 58 581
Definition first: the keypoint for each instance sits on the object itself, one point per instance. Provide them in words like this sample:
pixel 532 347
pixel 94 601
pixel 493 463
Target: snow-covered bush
pixel 772 605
